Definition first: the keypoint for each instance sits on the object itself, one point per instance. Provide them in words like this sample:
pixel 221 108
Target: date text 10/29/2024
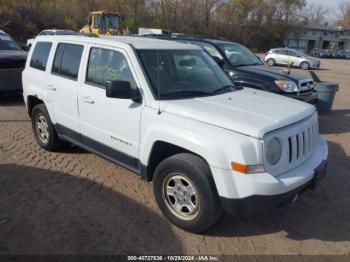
pixel 173 258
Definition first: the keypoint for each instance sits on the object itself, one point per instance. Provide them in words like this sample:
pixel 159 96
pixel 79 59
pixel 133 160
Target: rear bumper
pixel 258 203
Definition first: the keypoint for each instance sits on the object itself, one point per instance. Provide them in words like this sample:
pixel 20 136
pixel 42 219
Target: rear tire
pixel 43 129
pixel 185 192
pixel 305 65
pixel 271 62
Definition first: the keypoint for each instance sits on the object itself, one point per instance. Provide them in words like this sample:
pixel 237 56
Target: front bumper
pixel 258 203
pixel 310 98
pixel 315 66
pixel 240 192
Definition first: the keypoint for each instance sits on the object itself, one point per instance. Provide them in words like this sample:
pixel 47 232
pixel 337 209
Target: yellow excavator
pixel 104 23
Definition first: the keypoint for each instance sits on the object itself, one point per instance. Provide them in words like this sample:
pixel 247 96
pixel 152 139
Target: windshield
pixel 183 73
pixel 111 21
pixel 239 55
pixel 7 43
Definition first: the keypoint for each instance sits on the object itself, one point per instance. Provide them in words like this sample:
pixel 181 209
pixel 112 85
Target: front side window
pixel 108 65
pixel 67 60
pixel 40 55
pixel 292 53
pixel 239 55
pixel 183 73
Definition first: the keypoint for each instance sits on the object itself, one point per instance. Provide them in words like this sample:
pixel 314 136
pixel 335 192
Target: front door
pixel 294 57
pixel 109 126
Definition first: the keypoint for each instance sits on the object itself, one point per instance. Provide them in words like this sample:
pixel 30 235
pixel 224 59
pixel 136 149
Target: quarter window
pixel 107 65
pixel 67 60
pixel 40 55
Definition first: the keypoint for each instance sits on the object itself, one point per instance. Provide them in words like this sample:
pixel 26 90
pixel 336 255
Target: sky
pixel 331 4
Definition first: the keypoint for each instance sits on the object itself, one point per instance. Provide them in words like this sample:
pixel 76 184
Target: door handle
pixel 51 87
pixel 88 100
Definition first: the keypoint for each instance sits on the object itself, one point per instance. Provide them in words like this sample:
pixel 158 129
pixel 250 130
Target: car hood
pixel 13 55
pixel 312 59
pixel 12 58
pixel 248 111
pixel 273 73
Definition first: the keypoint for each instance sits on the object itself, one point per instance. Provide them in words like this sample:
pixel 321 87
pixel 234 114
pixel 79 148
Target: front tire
pixel 43 129
pixel 185 192
pixel 305 65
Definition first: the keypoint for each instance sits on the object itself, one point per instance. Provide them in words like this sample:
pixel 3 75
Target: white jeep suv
pixel 167 112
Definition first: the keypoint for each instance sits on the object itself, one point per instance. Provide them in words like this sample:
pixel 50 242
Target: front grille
pixel 298 145
pixel 301 144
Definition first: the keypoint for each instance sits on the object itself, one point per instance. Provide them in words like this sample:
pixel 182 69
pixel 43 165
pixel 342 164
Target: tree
pixel 344 15
pixel 316 13
pixel 256 23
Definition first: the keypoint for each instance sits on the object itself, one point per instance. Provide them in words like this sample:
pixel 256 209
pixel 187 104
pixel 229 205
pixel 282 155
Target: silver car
pixel 285 56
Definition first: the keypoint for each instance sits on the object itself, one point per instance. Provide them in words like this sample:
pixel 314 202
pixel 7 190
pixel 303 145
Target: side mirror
pixel 26 47
pixel 219 61
pixel 121 90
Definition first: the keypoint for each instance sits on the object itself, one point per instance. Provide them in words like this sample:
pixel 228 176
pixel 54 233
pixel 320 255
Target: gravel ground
pixel 73 202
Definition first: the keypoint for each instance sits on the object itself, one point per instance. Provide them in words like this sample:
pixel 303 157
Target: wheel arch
pixel 162 150
pixel 32 101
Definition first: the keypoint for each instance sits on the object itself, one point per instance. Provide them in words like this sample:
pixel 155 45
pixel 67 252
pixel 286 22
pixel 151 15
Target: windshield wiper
pixel 186 93
pixel 253 64
pixel 225 88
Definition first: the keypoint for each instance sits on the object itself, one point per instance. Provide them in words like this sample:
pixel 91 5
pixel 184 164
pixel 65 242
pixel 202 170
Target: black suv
pixel 247 70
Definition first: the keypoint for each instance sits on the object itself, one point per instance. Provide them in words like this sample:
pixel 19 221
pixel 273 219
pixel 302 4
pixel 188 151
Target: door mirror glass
pixel 121 90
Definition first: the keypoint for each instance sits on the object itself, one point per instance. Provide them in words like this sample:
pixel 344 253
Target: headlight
pixel 273 151
pixel 287 86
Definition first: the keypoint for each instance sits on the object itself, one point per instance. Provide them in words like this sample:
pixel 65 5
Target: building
pixel 319 36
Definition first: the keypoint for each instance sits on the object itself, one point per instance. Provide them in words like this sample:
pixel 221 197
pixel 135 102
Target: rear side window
pixel 106 65
pixel 40 55
pixel 67 60
pixel 281 52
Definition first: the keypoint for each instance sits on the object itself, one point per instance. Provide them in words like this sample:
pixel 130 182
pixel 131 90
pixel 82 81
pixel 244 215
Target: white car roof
pixel 55 30
pixel 136 42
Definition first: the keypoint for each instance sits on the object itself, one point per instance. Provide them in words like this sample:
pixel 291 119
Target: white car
pixel 167 112
pixel 51 32
pixel 285 56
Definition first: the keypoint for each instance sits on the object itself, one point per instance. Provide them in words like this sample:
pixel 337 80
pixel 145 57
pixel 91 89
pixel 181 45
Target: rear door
pixel 282 57
pixel 62 84
pixel 34 75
